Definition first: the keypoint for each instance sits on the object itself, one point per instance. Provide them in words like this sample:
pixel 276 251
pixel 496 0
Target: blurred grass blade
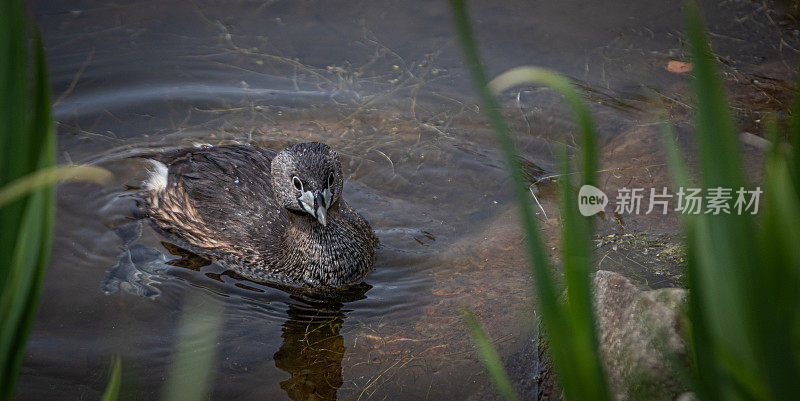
pixel 27 143
pixel 112 389
pixel 559 83
pixel 717 136
pixel 577 262
pixel 727 256
pixel 794 139
pixel 576 232
pixel 194 360
pixel 489 356
pixel 501 129
pixel 680 173
pixel 696 327
pixel 570 327
pixel 777 316
pixel 49 176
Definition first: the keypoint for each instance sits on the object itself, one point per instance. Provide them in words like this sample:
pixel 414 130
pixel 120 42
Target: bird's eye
pixel 330 180
pixel 298 185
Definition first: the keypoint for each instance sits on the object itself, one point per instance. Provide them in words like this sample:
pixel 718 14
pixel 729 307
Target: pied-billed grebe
pixel 269 216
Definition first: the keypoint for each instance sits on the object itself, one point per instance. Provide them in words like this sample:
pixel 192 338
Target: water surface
pixel 381 82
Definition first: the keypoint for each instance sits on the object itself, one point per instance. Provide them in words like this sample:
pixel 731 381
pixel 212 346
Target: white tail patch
pixel 156 177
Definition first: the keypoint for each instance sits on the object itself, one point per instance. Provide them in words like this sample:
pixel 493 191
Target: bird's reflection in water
pixel 311 353
pixel 312 348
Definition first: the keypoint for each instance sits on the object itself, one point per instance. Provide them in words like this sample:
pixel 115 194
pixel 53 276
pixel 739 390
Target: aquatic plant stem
pixel 26 222
pixel 570 328
pixel 489 356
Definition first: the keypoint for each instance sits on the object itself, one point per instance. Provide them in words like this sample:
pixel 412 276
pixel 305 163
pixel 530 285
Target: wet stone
pixel 639 338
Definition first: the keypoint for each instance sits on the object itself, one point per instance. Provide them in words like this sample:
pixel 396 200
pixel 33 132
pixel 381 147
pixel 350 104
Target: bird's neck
pixel 310 249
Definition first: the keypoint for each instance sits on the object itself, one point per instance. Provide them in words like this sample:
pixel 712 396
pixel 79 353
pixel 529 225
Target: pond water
pixel 382 83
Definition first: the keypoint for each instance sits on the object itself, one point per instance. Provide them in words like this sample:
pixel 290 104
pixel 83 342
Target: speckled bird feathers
pixel 222 201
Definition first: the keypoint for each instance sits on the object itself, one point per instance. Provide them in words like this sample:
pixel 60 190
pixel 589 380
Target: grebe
pixel 269 216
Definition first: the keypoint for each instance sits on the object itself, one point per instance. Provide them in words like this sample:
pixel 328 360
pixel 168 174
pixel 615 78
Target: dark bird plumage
pixel 270 216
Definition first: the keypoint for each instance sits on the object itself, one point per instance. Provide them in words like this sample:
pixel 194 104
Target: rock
pixel 687 396
pixel 639 338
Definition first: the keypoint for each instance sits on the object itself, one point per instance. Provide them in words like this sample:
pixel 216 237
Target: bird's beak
pixel 320 208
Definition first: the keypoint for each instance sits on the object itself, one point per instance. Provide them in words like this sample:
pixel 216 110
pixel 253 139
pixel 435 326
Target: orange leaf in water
pixel 679 67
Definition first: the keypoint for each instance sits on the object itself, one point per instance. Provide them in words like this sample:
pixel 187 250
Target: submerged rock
pixel 639 335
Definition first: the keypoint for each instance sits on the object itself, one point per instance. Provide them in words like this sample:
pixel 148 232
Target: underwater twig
pixel 537 201
pixel 387 158
pixel 77 76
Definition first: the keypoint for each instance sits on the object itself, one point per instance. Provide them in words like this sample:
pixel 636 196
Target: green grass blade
pixel 794 140
pixel 501 128
pixel 579 372
pixel 27 222
pixel 680 173
pixel 560 84
pixel 577 263
pixel 726 251
pixel 489 357
pixel 15 304
pixel 717 136
pixel 195 356
pixel 13 103
pixel 697 331
pixel 777 317
pixel 576 232
pixel 49 176
pixel 112 389
pixel 544 282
